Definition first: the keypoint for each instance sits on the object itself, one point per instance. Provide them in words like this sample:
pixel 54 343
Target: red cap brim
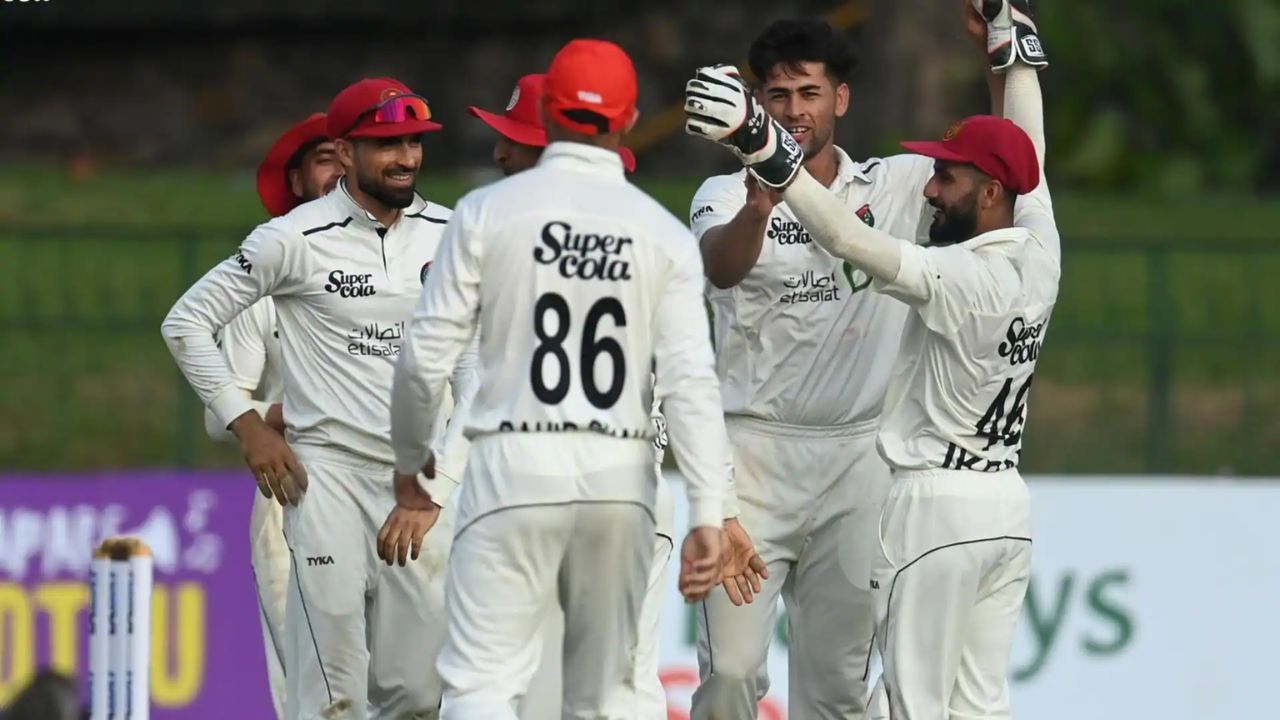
pixel 512 130
pixel 410 127
pixel 273 185
pixel 936 150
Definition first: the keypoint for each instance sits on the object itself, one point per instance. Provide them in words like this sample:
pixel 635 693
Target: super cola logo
pixel 583 255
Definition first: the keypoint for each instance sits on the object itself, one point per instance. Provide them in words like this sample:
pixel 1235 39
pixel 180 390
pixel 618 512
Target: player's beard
pixel 955 223
pixel 376 188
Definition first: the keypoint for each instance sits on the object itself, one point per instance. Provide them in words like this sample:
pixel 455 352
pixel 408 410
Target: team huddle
pixel 457 418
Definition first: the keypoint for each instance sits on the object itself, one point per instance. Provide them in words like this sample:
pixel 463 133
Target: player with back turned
pixel 580 285
pixel 955 529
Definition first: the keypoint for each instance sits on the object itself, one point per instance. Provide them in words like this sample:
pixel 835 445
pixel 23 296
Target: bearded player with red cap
pixel 299 167
pixel 581 286
pixel 954 556
pixel 344 271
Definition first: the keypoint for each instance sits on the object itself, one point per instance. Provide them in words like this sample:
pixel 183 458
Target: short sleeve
pixel 716 202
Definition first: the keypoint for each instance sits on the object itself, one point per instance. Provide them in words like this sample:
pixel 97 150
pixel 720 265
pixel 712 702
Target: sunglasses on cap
pixel 395 109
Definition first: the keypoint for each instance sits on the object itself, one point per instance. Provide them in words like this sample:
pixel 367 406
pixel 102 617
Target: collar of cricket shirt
pixel 364 217
pixel 847 170
pixel 589 158
pixel 1006 241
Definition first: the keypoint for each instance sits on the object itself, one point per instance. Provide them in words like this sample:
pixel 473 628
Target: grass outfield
pixel 1162 353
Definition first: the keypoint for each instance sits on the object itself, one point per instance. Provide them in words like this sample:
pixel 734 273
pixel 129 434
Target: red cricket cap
pixel 522 121
pixel 273 179
pixel 379 107
pixel 591 87
pixel 995 145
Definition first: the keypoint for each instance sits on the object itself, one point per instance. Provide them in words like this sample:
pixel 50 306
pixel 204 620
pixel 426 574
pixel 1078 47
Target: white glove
pixel 719 106
pixel 1011 34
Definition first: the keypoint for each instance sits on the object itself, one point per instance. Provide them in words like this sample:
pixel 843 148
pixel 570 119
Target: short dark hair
pixel 794 41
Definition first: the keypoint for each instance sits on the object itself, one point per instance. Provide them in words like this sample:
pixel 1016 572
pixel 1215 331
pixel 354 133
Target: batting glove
pixel 1011 34
pixel 719 106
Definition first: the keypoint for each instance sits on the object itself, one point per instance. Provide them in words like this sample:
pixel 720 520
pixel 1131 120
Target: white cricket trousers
pixel 953 567
pixel 543 699
pixel 269 555
pixel 809 499
pixel 362 637
pixel 512 565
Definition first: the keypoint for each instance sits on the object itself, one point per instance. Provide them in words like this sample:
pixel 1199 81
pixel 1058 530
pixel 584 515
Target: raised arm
pixel 244 347
pixel 731 248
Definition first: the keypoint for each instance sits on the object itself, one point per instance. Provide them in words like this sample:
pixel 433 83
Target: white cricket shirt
pixel 958 398
pixel 802 340
pixel 580 285
pixel 343 287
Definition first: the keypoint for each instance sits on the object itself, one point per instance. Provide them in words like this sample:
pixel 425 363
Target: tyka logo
pixel 350 284
pixel 243 261
pixel 700 212
pixel 321 560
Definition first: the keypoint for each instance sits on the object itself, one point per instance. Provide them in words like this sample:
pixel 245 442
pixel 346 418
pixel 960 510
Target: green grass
pixel 1152 289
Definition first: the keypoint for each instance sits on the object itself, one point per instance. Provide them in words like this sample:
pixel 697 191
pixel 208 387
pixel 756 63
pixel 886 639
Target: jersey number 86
pixel 551 347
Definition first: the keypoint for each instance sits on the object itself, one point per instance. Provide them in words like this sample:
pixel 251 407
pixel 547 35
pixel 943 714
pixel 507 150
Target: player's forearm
pixel 838 230
pixel 695 426
pixel 729 251
pixel 1024 105
pixel 416 393
pixel 995 88
pixel 431 351
pixel 198 357
pixel 188 331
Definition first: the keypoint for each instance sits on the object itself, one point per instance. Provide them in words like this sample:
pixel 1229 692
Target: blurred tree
pixel 1175 96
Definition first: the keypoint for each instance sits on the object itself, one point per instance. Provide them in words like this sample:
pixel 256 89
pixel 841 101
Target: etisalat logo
pixel 375 340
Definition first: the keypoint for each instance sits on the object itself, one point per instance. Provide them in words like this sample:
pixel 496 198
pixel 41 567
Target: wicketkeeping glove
pixel 718 105
pixel 1011 34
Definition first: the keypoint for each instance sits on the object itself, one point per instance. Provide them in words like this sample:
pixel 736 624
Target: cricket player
pixel 580 286
pixel 955 530
pixel 521 140
pixel 804 352
pixel 344 271
pixel 300 167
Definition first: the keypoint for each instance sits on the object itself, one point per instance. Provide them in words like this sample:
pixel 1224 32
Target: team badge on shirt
pixel 859 280
pixel 864 214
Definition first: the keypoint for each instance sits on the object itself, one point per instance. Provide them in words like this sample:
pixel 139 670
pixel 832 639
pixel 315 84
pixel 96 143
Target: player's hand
pixel 760 199
pixel 700 563
pixel 414 514
pixel 1012 35
pixel 975 26
pixel 269 457
pixel 275 417
pixel 719 106
pixel 743 566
